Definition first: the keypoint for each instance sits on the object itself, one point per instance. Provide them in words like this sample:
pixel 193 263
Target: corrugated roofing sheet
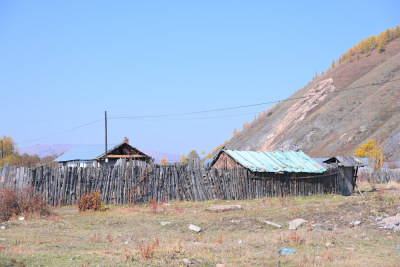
pixel 275 161
pixel 83 152
pixel 347 161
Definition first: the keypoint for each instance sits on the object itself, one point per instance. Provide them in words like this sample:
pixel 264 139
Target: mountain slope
pixel 357 101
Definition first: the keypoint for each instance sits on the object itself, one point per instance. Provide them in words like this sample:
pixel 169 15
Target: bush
pixel 91 201
pixel 147 251
pixel 16 201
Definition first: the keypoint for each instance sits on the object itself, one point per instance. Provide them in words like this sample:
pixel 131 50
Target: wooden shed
pixel 267 161
pixel 278 173
pixel 348 169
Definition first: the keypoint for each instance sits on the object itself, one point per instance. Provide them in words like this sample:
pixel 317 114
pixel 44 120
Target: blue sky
pixel 64 62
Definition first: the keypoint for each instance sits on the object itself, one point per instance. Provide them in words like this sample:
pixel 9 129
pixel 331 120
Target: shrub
pixel 91 201
pixel 147 251
pixel 9 205
pixel 155 205
pixel 33 203
pixel 15 201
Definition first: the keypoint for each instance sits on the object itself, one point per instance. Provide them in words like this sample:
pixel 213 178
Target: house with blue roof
pixel 95 155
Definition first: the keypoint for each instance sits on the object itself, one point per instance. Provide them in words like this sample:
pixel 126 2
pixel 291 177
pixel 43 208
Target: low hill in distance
pixel 43 150
pixel 357 100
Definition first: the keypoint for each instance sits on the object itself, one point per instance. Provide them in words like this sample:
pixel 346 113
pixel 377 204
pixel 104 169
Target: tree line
pixel 9 155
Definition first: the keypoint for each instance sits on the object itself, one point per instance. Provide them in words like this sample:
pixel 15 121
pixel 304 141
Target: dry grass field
pixel 134 235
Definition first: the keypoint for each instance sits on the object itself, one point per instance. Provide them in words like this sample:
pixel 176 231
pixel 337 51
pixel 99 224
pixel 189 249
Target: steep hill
pixel 358 100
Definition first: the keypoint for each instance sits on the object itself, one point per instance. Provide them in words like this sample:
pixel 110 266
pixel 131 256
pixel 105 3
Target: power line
pixel 202 111
pixel 239 107
pixel 62 132
pixel 202 118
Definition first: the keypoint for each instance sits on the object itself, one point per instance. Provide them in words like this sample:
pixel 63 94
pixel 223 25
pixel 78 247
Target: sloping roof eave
pixel 274 162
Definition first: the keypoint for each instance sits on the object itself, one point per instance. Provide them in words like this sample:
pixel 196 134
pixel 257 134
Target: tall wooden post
pixel 105 124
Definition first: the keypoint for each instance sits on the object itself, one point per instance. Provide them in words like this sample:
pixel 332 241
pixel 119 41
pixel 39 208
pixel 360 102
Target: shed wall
pixel 225 162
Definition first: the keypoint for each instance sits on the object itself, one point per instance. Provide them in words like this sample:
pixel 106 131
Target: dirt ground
pixel 134 235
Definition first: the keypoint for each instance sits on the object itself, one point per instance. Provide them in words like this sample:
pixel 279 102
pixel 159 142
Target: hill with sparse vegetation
pixel 357 99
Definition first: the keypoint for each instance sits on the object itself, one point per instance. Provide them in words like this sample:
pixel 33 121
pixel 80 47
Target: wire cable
pixel 240 107
pixel 62 132
pixel 200 112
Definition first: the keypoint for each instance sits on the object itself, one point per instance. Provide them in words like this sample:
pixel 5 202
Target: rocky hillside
pixel 356 101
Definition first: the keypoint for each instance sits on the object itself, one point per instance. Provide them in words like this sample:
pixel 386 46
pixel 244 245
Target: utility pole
pixel 105 124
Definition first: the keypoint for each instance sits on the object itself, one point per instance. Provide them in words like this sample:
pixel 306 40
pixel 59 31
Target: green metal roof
pixel 275 161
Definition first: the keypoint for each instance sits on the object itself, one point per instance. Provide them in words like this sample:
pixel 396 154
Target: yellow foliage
pixel 183 159
pixel 217 148
pixel 209 156
pixel 373 152
pixel 369 44
pixel 163 161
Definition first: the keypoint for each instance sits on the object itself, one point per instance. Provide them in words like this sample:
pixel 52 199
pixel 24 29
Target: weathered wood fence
pixel 382 176
pixel 135 182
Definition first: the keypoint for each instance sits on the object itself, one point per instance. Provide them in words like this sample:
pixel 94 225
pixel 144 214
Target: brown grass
pixel 392 185
pixel 125 235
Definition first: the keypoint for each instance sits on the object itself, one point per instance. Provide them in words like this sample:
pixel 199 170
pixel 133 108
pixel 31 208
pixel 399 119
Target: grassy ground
pixel 233 238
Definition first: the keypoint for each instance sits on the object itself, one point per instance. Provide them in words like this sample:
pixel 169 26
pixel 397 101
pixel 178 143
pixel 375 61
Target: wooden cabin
pixel 85 155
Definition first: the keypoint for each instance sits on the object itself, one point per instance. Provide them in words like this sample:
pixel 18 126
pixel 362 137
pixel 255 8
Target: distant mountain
pixel 44 150
pixel 357 100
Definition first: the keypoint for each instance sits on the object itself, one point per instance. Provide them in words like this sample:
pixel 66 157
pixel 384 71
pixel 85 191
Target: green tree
pixel 333 64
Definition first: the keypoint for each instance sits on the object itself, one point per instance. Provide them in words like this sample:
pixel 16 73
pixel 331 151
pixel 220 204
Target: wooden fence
pixel 382 176
pixel 135 182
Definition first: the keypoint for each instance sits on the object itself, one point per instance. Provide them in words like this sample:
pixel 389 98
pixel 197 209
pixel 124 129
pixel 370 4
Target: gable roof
pixel 87 153
pixel 274 161
pixel 347 161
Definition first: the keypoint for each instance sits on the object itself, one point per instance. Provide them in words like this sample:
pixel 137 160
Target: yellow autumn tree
pixel 183 159
pixel 372 151
pixel 8 151
pixel 209 156
pixel 163 161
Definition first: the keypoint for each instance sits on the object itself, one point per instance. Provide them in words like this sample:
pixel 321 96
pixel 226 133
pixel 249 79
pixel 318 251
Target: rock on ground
pixel 294 224
pixel 273 224
pixel 392 223
pixel 186 261
pixel 220 208
pixel 194 228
